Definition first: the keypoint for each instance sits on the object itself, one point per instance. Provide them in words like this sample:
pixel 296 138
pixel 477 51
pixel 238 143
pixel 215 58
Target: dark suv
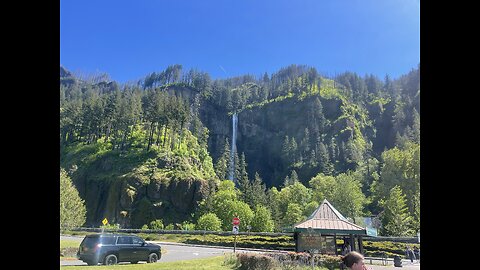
pixel 113 248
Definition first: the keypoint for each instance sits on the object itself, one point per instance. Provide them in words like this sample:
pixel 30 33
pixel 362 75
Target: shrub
pixel 112 227
pixel 249 261
pixel 156 225
pixel 209 222
pixel 330 262
pixel 188 226
pixel 231 261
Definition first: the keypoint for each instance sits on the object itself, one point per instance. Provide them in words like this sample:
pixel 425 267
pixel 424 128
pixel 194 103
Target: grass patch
pixel 218 262
pixel 68 249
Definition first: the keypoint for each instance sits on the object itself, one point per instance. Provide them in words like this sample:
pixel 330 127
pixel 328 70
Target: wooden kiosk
pixel 320 232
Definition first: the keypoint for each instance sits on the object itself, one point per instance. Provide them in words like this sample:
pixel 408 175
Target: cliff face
pixel 120 200
pixel 262 132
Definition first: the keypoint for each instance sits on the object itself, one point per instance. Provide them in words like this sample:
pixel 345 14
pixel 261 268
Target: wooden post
pixel 335 241
pixel 352 242
pixel 360 243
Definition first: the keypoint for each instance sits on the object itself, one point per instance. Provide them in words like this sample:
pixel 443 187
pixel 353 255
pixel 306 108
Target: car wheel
pixel 134 262
pixel 152 258
pixel 111 259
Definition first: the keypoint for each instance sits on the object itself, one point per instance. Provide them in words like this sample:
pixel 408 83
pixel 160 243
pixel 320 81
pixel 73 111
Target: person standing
pixel 410 254
pixel 416 252
pixel 346 248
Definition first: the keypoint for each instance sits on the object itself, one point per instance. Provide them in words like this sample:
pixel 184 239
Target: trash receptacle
pixel 397 261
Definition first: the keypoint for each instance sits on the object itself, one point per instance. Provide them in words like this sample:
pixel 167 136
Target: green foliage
pixel 143 213
pixel 251 261
pixel 323 187
pixel 72 207
pixel 188 226
pixel 262 220
pixel 110 227
pixel 155 135
pixel 396 220
pixel 388 248
pixel 401 167
pixel 310 208
pixel 209 222
pixel 348 198
pixel 293 214
pixel 156 225
pixel 256 193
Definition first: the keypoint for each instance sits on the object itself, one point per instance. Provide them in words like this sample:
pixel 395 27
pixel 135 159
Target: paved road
pixel 178 252
pixel 170 251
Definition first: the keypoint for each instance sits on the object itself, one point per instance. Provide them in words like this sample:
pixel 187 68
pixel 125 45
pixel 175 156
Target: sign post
pixel 104 222
pixel 235 222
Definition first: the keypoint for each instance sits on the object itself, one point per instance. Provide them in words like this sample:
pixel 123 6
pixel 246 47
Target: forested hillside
pixel 159 148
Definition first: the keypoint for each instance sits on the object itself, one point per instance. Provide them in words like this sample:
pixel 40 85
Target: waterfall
pixel 234 147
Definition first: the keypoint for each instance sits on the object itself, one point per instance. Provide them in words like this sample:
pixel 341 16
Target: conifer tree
pixel 243 180
pixel 257 194
pixel 396 219
pixel 223 163
pixel 72 207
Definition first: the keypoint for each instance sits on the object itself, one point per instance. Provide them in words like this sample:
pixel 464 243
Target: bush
pixel 156 225
pixel 385 248
pixel 209 222
pixel 188 226
pixel 231 261
pixel 330 262
pixel 113 227
pixel 249 261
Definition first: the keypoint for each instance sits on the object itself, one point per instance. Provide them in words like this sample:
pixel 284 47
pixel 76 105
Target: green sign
pixel 371 231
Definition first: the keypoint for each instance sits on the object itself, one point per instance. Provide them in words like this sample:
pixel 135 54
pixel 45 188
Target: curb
pixel 218 247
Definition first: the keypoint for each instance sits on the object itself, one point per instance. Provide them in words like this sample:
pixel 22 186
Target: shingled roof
pixel 326 219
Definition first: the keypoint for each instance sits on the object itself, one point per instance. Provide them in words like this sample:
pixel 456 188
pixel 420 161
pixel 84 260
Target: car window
pixel 90 242
pixel 108 240
pixel 124 240
pixel 137 241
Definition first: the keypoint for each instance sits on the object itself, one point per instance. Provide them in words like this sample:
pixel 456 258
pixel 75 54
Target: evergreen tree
pixel 72 207
pixel 396 219
pixel 324 160
pixel 290 180
pixel 293 215
pixel 286 150
pixel 243 180
pixel 305 143
pixel 293 151
pixel 257 194
pixel 416 127
pixel 294 177
pixel 223 163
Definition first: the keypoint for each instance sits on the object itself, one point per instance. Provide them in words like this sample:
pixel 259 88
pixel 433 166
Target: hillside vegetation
pixel 159 149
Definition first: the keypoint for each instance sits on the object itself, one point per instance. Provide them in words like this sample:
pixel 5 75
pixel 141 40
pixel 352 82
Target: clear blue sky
pixel 130 39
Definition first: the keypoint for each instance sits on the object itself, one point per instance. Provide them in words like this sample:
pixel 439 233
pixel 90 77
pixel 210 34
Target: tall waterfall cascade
pixel 234 147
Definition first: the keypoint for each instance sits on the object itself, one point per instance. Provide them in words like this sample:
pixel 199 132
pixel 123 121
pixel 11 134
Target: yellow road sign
pixel 105 221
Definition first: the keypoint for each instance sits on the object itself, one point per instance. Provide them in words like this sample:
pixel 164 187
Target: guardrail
pixel 384 260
